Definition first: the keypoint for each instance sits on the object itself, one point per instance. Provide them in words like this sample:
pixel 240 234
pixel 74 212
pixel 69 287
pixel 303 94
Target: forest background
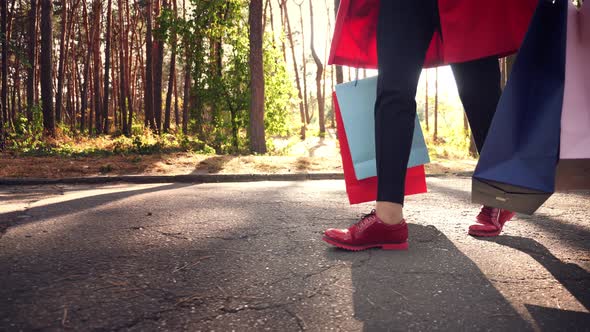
pixel 111 86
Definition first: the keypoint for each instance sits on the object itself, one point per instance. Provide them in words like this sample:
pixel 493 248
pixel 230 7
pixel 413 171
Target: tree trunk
pixel 169 93
pixel 149 89
pixel 176 110
pixel 73 88
pixel 47 67
pixel 465 125
pixel 129 58
pixel 32 56
pixel 214 47
pixel 333 81
pixel 70 48
pixel 60 69
pixel 78 87
pixel 187 94
pixel 272 24
pixel 4 35
pixel 122 70
pixel 339 72
pixel 318 77
pixel 171 79
pixel 86 74
pixel 187 81
pixel 426 108
pixel 97 8
pixel 506 67
pixel 157 63
pixel 141 73
pixel 107 73
pixel 114 79
pixel 256 130
pixel 283 47
pixel 16 91
pixel 326 52
pixel 92 96
pixel 509 64
pixel 37 69
pixel 68 111
pixel 436 105
pixel 9 106
pixel 266 2
pixel 503 77
pixel 290 35
pixel 304 64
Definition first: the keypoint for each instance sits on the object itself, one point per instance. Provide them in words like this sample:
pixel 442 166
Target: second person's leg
pixel 478 83
pixel 479 88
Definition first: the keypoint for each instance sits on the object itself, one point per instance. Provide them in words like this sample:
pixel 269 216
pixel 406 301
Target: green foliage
pixel 279 92
pixel 221 91
pixel 225 90
pixel 27 136
pixel 144 144
pixel 452 141
pixel 212 41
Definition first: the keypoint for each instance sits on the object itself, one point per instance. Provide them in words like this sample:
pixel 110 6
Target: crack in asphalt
pixel 154 316
pixel 298 319
pixel 528 280
pixel 455 276
pixel 303 276
pixel 312 274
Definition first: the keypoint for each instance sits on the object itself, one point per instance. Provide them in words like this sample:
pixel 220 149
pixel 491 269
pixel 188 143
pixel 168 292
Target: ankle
pixel 389 213
pixel 390 220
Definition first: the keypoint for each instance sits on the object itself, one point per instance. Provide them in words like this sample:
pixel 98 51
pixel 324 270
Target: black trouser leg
pixel 479 88
pixel 404 31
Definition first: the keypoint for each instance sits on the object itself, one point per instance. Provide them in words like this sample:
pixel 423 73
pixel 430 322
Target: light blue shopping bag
pixel 357 106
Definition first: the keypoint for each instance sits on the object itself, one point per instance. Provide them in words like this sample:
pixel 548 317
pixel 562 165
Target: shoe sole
pixel 484 234
pixel 387 246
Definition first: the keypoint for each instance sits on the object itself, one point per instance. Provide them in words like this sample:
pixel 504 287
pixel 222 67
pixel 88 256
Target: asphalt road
pixel 249 257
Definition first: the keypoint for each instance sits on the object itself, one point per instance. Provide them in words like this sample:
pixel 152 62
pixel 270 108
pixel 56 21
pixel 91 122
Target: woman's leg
pixel 404 32
pixel 479 88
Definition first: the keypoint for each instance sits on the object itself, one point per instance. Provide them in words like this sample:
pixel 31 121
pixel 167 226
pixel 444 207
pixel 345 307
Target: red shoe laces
pixel 366 220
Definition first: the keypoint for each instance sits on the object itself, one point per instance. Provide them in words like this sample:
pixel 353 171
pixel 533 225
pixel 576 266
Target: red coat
pixel 472 29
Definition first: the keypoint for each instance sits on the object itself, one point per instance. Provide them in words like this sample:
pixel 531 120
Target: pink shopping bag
pixel 575 116
pixel 573 169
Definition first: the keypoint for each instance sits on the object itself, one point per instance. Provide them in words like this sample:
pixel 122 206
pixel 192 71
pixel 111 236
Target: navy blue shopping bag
pixel 516 169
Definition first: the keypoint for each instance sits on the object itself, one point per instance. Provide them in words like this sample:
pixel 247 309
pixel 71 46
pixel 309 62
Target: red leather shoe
pixel 369 232
pixel 490 222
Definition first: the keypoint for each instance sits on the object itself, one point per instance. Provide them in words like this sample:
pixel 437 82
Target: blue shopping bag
pixel 516 169
pixel 357 106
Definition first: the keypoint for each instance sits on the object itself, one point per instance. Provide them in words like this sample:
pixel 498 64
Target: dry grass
pixel 161 164
pixel 312 155
pixel 185 163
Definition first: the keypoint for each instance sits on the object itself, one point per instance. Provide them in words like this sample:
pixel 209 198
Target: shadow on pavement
pixel 64 208
pixel 433 286
pixel 241 257
pixel 574 278
pixel 573 234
